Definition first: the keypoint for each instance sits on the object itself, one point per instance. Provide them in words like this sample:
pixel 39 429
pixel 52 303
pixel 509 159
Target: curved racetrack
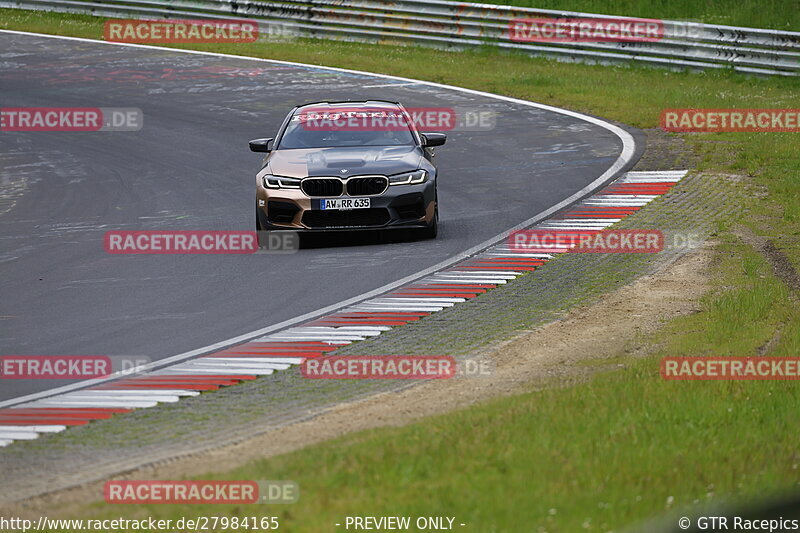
pixel 189 168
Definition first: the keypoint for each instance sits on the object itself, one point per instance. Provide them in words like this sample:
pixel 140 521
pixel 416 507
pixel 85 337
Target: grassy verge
pixel 626 445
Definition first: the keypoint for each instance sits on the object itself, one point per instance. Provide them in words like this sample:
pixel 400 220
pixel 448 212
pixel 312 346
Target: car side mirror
pixel 261 145
pixel 433 139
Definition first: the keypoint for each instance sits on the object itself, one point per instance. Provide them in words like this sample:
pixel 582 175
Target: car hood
pixel 344 162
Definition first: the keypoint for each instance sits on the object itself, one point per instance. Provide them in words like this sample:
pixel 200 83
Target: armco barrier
pixel 456 25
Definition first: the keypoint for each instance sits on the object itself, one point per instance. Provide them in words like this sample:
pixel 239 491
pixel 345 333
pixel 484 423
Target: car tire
pixel 433 228
pixel 260 231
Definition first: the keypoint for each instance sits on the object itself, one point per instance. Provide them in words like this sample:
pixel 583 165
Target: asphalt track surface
pixel 189 168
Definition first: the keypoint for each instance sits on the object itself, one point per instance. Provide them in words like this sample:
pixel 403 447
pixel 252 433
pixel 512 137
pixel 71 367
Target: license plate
pixel 343 204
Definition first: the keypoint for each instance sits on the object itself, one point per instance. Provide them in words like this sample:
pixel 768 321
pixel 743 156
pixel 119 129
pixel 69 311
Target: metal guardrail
pixel 445 24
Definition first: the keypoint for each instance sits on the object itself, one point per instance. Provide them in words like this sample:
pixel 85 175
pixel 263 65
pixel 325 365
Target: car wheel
pixel 433 228
pixel 261 234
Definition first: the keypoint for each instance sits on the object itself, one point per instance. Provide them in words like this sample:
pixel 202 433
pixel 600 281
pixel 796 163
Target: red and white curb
pixel 287 348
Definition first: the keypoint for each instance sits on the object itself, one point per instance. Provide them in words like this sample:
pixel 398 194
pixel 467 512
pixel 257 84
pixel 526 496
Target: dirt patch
pixel 781 264
pixel 548 356
pixel 666 151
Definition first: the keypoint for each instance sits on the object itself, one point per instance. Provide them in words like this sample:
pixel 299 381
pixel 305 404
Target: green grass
pixel 609 454
pixel 626 445
pixel 742 312
pixel 775 14
pixel 600 456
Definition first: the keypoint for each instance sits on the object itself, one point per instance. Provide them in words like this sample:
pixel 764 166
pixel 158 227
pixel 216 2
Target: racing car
pixel 339 166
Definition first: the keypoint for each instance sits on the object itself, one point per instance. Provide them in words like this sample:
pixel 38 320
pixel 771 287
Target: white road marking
pixel 275 360
pixel 514 253
pixel 136 391
pixel 343 330
pixel 624 197
pixel 146 395
pixel 576 226
pixel 241 363
pixel 646 180
pixel 37 429
pixel 322 336
pixel 21 435
pixel 405 309
pixel 495 281
pixel 289 342
pixel 185 369
pixel 642 174
pixel 377 306
pixel 619 203
pixel 464 281
pixel 60 401
pixel 422 300
pixel 479 273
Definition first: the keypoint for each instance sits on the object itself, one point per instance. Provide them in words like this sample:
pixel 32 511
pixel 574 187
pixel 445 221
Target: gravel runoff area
pixel 232 414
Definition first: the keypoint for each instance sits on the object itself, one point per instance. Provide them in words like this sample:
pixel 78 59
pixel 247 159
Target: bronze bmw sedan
pixel 348 166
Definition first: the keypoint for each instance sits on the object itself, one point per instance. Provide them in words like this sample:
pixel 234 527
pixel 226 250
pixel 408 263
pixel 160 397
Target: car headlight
pixel 280 182
pixel 408 178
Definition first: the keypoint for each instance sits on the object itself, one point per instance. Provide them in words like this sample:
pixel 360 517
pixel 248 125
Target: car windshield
pixel 326 128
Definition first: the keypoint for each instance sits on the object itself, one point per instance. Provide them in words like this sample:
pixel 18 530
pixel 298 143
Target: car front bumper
pixel 400 206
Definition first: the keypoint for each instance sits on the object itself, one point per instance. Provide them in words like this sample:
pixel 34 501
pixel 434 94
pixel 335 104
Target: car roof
pixel 367 104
